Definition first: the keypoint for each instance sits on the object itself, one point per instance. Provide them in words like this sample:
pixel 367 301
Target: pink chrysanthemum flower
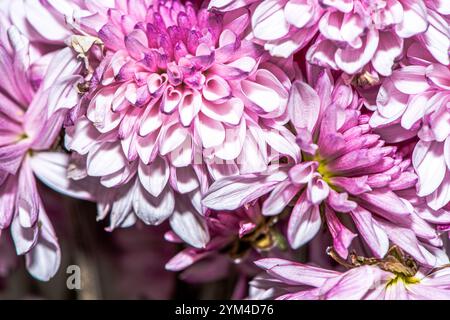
pixel 26 139
pixel 415 101
pixel 347 174
pixel 175 97
pixel 353 33
pixel 397 277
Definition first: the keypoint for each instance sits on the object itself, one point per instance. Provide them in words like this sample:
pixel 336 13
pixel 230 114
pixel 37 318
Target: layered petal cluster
pixel 172 98
pixel 309 136
pixel 415 101
pixel 348 175
pixel 350 34
pixel 391 279
pixel 26 140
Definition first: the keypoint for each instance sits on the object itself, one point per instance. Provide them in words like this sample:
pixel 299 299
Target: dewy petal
pixel 304 222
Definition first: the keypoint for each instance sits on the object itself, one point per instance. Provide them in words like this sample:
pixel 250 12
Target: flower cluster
pixel 299 149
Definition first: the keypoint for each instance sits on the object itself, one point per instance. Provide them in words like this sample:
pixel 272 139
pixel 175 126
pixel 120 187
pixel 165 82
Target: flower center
pixel 402 278
pixel 173 40
pixel 323 170
pixel 263 237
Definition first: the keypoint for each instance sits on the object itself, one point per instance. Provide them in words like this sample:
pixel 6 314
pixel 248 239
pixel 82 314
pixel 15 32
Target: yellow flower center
pixel 402 278
pixel 323 170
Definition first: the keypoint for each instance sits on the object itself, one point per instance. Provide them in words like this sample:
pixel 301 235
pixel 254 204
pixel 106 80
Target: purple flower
pixel 414 101
pixel 27 137
pixel 351 33
pixel 348 174
pixel 173 98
